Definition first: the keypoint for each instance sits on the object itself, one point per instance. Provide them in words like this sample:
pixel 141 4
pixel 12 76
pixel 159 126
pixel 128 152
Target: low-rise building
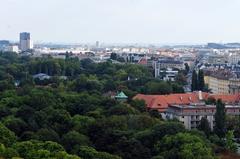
pixel 12 48
pixel 190 108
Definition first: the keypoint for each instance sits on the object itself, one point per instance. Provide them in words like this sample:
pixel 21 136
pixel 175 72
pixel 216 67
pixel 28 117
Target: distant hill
pixel 223 46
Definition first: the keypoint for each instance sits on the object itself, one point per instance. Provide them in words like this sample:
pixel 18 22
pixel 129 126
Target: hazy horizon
pixel 125 21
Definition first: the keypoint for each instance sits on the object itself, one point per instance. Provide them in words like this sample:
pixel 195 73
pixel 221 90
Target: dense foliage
pixel 72 116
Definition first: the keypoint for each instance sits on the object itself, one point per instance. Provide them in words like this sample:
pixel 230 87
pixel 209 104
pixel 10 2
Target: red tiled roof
pixel 161 102
pixel 143 61
pixel 226 98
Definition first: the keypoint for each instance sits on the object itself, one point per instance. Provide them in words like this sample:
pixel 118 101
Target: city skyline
pixel 126 21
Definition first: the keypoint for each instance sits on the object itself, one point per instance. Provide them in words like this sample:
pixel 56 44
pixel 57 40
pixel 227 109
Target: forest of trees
pixel 74 118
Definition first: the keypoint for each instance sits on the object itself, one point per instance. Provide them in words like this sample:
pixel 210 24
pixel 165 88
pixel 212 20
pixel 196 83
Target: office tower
pixel 25 41
pixel 97 44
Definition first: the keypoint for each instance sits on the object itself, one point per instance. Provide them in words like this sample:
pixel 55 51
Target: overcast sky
pixel 122 21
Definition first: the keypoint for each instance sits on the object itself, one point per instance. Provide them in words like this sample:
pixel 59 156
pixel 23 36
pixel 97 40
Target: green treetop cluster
pixel 74 117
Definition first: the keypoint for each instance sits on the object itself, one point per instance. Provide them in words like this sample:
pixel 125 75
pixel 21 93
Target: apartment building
pixel 221 81
pixel 234 57
pixel 234 86
pixel 191 115
pixel 190 108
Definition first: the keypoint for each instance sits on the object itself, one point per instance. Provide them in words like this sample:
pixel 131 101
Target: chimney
pixel 200 95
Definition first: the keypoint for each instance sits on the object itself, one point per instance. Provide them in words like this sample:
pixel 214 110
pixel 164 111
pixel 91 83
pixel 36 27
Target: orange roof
pixel 228 99
pixel 161 102
pixel 143 61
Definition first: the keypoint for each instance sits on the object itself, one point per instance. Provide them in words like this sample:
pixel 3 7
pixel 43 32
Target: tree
pixel 210 101
pixel 181 79
pixel 194 85
pixel 230 145
pixel 7 152
pixel 204 126
pixel 187 69
pixel 113 56
pixel 81 123
pixel 201 83
pixel 158 88
pixel 47 135
pixel 139 105
pixel 121 109
pixel 7 137
pixel 177 88
pixel 220 117
pixel 90 153
pixel 132 149
pixel 184 146
pixel 168 128
pixel 73 139
pixel 16 125
pixel 38 150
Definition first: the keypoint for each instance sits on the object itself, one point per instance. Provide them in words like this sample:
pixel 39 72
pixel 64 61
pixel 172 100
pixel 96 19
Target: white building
pixel 12 48
pixel 234 57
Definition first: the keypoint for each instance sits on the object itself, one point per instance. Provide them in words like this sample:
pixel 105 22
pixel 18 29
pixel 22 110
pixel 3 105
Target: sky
pixel 122 21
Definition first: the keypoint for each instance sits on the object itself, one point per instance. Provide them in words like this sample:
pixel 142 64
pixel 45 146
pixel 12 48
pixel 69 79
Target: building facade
pixel 234 57
pixel 190 108
pixel 222 82
pixel 218 85
pixel 25 41
pixel 191 115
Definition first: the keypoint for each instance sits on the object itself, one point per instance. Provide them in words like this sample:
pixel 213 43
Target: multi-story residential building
pixel 191 115
pixel 166 64
pixel 234 85
pixel 167 75
pixel 217 59
pixel 189 108
pixel 218 81
pixel 234 57
pixel 169 63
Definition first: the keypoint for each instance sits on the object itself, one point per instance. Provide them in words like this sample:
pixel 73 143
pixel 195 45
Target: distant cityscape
pixel 220 64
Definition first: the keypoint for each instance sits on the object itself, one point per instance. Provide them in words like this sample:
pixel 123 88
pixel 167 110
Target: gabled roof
pixel 161 102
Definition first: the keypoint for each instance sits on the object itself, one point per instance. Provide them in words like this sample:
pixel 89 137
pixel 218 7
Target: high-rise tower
pixel 25 41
